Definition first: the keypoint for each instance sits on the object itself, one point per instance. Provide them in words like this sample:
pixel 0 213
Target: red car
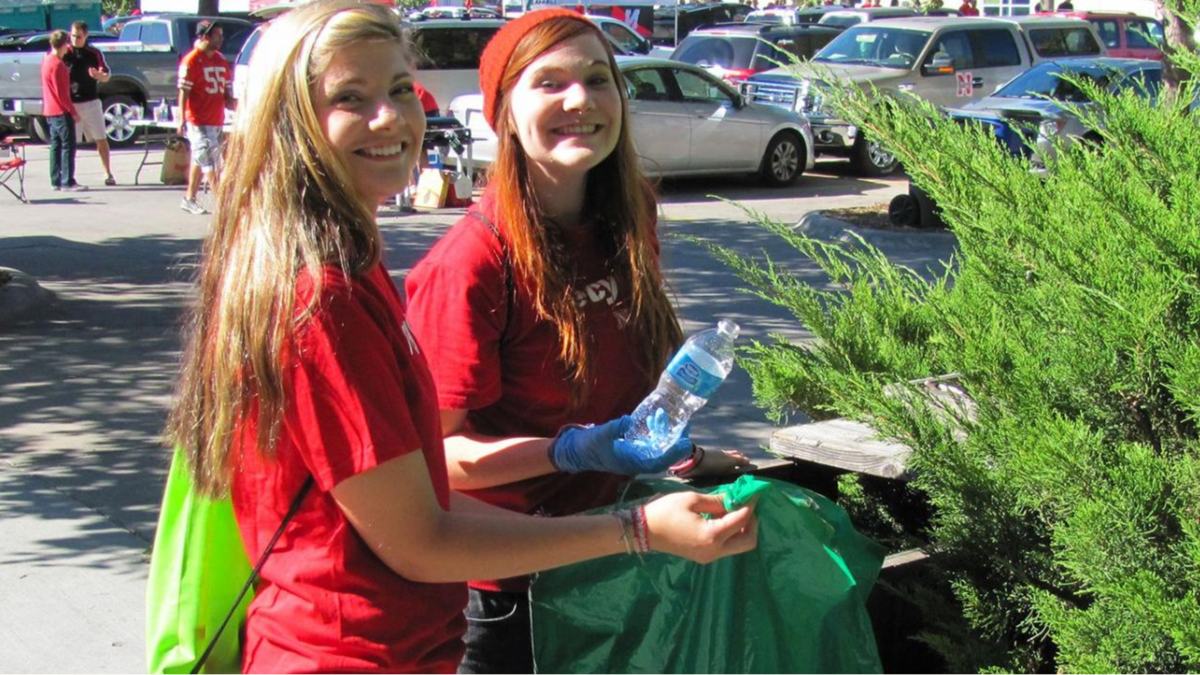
pixel 1125 34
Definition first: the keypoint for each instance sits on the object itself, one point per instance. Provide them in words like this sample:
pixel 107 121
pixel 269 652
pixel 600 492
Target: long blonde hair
pixel 620 199
pixel 285 204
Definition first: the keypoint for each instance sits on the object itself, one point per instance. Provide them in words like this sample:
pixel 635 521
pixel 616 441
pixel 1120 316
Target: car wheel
pixel 871 159
pixel 38 129
pixel 119 111
pixel 782 163
pixel 903 211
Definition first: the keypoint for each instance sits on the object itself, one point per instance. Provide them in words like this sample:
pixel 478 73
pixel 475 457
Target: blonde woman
pixel 299 366
pixel 544 307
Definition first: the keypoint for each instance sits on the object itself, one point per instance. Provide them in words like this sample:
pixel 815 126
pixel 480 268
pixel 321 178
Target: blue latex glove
pixel 605 448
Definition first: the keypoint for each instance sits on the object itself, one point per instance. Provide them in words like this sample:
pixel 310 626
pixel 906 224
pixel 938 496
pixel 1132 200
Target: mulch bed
pixel 874 216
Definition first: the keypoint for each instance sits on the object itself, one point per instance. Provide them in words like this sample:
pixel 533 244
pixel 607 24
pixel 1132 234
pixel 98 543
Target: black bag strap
pixel 509 283
pixel 254 573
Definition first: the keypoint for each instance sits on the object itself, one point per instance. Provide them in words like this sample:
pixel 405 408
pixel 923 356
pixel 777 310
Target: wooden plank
pixel 912 555
pixel 842 444
pixel 846 445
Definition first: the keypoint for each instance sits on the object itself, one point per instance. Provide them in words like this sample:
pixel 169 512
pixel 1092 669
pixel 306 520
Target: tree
pixel 1065 527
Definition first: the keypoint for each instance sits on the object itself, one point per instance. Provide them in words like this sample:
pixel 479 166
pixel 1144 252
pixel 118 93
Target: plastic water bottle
pixel 698 368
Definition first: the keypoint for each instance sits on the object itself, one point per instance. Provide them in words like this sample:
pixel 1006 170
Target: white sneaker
pixel 192 206
pixel 75 188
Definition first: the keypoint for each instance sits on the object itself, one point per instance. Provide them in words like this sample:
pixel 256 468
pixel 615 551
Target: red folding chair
pixel 12 168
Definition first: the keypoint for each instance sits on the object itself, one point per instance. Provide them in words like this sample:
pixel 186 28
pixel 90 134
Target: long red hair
pixel 623 204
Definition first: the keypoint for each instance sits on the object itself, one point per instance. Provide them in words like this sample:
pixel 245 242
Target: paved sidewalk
pixel 84 388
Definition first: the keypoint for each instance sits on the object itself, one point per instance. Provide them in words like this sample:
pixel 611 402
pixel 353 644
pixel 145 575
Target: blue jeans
pixel 499 639
pixel 62 150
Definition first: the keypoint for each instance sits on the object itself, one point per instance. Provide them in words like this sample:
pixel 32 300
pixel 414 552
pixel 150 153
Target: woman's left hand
pixel 718 463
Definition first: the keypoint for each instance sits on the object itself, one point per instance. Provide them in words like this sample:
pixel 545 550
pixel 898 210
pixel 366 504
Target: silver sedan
pixel 686 122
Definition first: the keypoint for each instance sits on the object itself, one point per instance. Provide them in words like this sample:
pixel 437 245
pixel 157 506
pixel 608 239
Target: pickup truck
pixel 144 63
pixel 948 61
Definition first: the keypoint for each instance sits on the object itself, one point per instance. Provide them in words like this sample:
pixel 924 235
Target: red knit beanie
pixel 500 49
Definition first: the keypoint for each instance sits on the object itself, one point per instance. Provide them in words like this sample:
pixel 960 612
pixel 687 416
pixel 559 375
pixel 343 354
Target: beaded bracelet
pixel 641 530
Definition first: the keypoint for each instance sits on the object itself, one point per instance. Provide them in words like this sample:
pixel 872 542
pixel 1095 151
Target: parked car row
pixel 948 61
pixel 686 122
pixel 688 115
pixel 1034 116
pixel 144 62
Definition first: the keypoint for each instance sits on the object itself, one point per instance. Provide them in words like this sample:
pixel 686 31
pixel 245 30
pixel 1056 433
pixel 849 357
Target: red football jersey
pixel 205 77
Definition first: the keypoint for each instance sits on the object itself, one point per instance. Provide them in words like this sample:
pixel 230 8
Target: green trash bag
pixel 796 604
pixel 197 568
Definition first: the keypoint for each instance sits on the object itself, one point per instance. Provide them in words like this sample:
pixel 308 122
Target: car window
pixel 646 84
pixel 1048 42
pixel 1110 32
pixel 450 48
pixel 995 49
pixel 131 32
pixel 235 38
pixel 1143 34
pixel 840 20
pixel 870 45
pixel 764 17
pixel 696 87
pixel 774 53
pixel 155 33
pixel 243 57
pixel 707 51
pixel 956 45
pixel 626 38
pixel 1049 81
pixel 1145 82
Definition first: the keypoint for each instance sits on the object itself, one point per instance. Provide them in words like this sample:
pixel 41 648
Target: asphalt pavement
pixel 85 381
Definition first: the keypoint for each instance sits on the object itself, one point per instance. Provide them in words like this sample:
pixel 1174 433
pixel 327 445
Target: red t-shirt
pixel 56 87
pixel 359 393
pixel 205 77
pixel 505 369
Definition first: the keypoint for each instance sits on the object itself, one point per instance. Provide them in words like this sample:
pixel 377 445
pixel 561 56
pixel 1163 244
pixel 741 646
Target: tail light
pixel 736 76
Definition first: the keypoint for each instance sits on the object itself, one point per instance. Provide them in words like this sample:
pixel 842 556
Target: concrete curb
pixel 21 298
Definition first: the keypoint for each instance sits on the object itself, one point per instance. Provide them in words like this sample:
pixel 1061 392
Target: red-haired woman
pixel 544 308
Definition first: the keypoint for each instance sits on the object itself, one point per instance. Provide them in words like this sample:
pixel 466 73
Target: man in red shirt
pixel 204 94
pixel 60 114
pixel 968 8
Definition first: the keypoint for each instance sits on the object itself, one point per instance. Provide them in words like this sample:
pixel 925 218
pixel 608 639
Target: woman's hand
pixel 677 525
pixel 604 448
pixel 716 463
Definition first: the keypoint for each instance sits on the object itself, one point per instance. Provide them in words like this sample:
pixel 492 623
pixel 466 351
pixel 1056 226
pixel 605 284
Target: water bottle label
pixel 696 380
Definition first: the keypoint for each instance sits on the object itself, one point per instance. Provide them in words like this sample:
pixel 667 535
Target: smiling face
pixel 371 116
pixel 566 108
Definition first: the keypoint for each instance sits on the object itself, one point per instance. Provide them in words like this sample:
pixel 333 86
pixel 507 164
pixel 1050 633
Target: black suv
pixel 737 51
pixel 673 23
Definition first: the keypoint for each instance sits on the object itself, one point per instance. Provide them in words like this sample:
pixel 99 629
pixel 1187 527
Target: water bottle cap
pixel 728 328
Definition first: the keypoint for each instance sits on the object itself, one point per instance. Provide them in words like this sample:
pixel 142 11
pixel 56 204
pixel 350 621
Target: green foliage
pixel 1065 509
pixel 117 7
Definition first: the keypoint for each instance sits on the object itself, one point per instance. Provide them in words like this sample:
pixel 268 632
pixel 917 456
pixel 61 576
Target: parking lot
pixel 85 384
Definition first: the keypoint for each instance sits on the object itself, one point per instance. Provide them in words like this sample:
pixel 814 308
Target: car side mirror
pixel 940 64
